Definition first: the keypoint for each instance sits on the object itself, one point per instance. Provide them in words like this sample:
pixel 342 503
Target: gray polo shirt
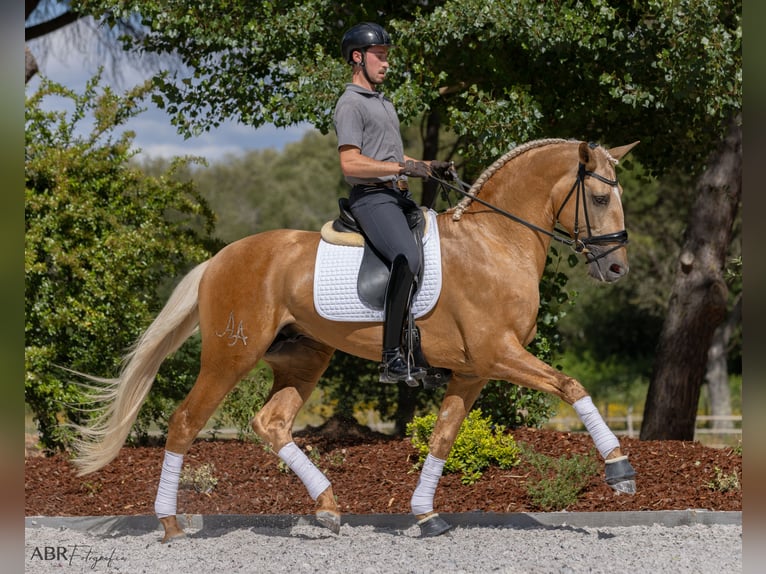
pixel 367 120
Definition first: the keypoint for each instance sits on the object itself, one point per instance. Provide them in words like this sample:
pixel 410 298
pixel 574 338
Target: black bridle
pixel 579 245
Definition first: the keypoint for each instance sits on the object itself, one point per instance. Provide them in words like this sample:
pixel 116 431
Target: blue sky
pixel 155 136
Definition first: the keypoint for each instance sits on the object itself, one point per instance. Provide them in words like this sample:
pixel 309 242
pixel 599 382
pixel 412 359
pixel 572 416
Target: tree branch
pixel 49 26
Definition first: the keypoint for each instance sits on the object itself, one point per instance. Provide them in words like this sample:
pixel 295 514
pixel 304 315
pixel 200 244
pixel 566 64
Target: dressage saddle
pixel 375 270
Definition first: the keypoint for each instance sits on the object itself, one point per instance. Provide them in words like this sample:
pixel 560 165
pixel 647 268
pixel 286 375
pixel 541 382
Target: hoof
pixel 329 519
pixel 620 475
pixel 170 537
pixel 433 525
pixel 625 486
pixel 172 530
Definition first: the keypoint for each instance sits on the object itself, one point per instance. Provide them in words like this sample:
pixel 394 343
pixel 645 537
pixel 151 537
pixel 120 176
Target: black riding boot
pixel 394 366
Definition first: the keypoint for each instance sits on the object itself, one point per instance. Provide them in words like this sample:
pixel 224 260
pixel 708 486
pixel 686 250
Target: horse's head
pixel 591 212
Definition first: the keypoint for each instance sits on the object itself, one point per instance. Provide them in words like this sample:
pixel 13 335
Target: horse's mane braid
pixel 463 204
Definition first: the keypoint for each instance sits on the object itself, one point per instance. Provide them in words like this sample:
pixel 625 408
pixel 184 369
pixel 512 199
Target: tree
pixel 486 66
pixel 491 72
pixel 100 240
pixel 699 298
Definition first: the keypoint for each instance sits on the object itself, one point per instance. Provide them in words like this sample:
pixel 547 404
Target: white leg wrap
pixel 422 500
pixel 604 438
pixel 167 493
pixel 313 479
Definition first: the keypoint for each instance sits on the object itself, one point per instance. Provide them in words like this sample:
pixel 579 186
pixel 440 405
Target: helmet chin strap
pixel 363 65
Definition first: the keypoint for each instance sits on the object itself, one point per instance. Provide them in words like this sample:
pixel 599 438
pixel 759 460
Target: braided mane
pixel 463 204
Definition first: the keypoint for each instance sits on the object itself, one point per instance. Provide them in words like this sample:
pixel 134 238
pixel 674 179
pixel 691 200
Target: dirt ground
pixel 373 473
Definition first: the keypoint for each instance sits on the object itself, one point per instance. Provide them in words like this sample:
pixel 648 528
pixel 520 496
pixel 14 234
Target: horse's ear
pixel 622 151
pixel 586 156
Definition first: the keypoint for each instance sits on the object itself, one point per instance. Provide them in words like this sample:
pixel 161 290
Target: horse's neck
pixel 493 245
pixel 523 194
pixel 524 187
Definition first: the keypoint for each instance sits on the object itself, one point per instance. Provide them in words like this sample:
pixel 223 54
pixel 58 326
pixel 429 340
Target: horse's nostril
pixel 615 268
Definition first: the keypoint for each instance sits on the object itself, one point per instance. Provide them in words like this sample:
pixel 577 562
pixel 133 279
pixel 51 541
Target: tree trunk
pixel 717 376
pixel 30 65
pixel 698 299
pixel 406 402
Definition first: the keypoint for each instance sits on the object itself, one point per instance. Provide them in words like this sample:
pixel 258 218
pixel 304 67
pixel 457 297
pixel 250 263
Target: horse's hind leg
pixel 210 388
pixel 297 367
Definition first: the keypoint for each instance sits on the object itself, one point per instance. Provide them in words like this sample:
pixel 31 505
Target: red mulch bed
pixel 372 474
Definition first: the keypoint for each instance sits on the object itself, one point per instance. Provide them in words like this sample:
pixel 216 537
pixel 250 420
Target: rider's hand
pixel 440 168
pixel 412 168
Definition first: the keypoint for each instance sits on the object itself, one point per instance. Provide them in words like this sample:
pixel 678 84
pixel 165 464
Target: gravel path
pixel 525 545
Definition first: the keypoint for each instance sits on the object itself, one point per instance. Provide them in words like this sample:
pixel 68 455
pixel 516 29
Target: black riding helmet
pixel 361 37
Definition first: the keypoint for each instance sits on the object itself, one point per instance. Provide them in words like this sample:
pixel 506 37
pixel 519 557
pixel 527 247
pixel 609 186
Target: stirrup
pixel 394 368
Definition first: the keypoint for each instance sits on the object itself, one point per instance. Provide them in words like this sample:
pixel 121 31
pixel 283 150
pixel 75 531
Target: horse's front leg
pixel 460 396
pixel 523 368
pixel 620 474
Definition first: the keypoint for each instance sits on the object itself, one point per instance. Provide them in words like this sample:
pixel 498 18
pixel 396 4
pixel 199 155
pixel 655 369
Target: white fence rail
pixel 711 430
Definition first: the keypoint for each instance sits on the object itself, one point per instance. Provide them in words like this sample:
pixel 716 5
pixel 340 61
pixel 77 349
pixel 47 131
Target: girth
pixel 374 270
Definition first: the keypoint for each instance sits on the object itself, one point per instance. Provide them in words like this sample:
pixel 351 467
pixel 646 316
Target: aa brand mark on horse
pixel 254 300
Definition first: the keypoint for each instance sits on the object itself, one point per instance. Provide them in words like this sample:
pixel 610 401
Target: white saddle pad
pixel 337 268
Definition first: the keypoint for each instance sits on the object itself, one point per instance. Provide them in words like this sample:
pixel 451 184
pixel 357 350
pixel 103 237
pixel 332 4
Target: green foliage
pixel 350 381
pixel 297 188
pixel 513 406
pixel 351 384
pixel 479 444
pixel 246 399
pixel 100 238
pixel 620 378
pixel 201 479
pixel 723 482
pixel 555 483
pixel 667 72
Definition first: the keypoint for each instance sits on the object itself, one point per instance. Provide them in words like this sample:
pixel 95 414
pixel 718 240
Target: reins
pixel 578 188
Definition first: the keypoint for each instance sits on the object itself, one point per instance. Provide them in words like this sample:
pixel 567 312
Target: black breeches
pixel 381 215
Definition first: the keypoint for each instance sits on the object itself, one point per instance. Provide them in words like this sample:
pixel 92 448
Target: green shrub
pixel 201 479
pixel 555 483
pixel 479 444
pixel 513 406
pixel 242 402
pixel 724 482
pixel 101 238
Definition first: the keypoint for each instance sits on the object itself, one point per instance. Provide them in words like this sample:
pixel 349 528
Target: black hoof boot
pixel 393 368
pixel 433 525
pixel 436 377
pixel 621 475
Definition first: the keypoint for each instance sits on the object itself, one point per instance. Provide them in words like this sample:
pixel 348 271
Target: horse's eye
pixel 601 199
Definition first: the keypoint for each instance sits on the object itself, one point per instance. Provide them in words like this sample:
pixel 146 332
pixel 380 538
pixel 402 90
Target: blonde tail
pixel 103 438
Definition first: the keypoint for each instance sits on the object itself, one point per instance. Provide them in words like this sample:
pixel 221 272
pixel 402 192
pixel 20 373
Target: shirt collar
pixel 351 87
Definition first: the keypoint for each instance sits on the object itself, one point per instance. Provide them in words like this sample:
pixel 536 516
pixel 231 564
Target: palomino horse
pixel 259 290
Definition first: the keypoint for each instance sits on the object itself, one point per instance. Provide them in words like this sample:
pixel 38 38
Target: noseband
pixel 579 245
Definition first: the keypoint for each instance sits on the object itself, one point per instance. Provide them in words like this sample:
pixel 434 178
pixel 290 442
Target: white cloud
pixel 155 135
